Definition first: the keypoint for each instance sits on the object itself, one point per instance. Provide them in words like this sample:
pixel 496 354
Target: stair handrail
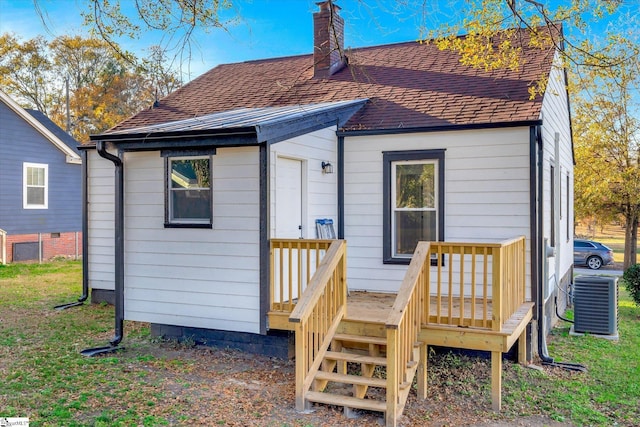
pixel 317 315
pixel 403 327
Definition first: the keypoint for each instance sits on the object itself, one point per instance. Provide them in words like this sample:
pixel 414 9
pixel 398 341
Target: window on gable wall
pixel 414 201
pixel 35 193
pixel 552 209
pixel 188 201
pixel 568 201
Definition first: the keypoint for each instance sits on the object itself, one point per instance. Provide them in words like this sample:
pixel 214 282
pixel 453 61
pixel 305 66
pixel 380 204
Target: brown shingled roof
pixel 409 85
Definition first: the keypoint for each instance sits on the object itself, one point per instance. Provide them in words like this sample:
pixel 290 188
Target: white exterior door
pixel 288 226
pixel 288 198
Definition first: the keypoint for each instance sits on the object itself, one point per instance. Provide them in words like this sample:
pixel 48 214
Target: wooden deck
pixel 367 313
pixel 473 299
pixel 373 307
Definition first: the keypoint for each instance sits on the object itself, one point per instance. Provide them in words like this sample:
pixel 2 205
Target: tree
pixel 104 88
pixel 177 19
pixel 25 71
pixel 588 34
pixel 607 146
pixel 581 29
pixel 161 77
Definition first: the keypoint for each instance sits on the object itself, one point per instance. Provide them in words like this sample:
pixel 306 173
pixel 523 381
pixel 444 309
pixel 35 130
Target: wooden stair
pixel 350 374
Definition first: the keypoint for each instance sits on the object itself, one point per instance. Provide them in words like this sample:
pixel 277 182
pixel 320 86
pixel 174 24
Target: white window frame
pixel 25 186
pixel 394 199
pixel 195 222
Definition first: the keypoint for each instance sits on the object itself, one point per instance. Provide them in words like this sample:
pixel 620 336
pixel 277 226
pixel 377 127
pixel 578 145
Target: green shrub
pixel 631 279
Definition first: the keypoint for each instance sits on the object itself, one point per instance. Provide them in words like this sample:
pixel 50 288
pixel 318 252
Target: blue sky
pixel 268 28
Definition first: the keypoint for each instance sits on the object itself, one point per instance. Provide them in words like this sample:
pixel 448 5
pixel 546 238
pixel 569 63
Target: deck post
pixel 496 289
pixel 392 378
pixel 422 371
pixel 301 350
pixel 522 347
pixel 496 380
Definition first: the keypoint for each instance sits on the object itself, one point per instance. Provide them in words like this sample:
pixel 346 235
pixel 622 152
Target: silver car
pixel 592 254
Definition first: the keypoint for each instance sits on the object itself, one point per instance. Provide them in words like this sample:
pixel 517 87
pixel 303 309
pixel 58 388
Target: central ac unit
pixel 595 300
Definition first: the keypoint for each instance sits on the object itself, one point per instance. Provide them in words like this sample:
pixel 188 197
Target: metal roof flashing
pixel 245 126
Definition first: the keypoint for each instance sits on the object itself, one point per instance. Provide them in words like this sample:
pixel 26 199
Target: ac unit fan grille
pixel 595 302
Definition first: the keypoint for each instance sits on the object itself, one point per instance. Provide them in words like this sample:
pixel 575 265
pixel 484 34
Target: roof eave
pixel 118 138
pixel 439 128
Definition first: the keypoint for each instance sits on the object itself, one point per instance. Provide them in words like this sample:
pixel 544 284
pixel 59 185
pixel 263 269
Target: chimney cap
pixel 324 5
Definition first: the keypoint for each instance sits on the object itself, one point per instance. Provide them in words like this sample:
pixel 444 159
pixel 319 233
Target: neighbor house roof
pixel 63 136
pixel 408 85
pixel 44 126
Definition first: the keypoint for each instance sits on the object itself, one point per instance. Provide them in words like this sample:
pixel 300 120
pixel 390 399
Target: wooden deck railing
pixel 293 263
pixel 475 284
pixel 403 327
pixel 317 315
pixel 512 277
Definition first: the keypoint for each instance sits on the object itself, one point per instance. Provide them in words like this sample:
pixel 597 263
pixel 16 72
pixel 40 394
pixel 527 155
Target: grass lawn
pixel 156 383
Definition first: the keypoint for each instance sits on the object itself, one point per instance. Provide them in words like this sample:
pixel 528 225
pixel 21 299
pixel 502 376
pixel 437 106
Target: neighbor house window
pixel 414 201
pixel 189 192
pixel 35 193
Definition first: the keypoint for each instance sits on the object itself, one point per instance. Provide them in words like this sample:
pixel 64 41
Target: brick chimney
pixel 328 40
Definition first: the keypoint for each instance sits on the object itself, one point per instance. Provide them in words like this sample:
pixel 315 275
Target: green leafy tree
pixel 597 39
pixel 26 71
pixel 607 146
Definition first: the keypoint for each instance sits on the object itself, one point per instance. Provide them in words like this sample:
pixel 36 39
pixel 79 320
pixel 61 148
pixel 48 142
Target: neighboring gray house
pixel 40 186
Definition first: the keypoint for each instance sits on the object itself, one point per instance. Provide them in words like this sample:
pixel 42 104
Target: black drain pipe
pixel 540 247
pixel 119 254
pixel 85 237
pixel 542 276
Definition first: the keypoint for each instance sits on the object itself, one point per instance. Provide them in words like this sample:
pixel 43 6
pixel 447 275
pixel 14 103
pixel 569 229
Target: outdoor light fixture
pixel 327 167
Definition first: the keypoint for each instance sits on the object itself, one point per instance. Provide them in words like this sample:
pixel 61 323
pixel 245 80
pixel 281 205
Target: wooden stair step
pixel 348 401
pixel 353 357
pixel 351 379
pixel 360 339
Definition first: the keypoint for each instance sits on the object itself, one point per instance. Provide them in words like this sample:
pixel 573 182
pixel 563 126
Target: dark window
pixel 552 239
pixel 583 245
pixel 413 201
pixel 189 192
pixel 567 199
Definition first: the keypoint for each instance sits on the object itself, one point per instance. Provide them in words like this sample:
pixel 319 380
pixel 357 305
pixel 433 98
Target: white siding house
pixel 558 162
pixel 100 214
pixel 486 194
pixel 317 189
pixel 267 130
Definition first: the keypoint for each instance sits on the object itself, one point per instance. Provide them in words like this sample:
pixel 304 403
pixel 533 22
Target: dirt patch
pixel 232 388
